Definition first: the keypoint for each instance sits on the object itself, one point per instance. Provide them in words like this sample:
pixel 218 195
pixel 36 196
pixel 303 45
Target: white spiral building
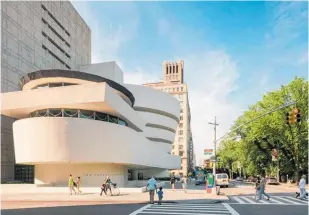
pixel 88 123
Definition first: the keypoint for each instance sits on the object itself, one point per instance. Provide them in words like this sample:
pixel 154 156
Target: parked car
pixel 272 180
pixel 200 181
pixel 252 179
pixel 222 180
pixel 239 179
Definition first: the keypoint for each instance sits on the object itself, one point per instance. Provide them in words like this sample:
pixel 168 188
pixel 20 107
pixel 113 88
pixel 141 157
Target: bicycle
pixel 113 190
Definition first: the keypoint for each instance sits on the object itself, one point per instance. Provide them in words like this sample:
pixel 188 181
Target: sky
pixel 233 52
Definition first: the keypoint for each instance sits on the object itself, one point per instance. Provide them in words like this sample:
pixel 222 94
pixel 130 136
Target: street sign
pixel 208 151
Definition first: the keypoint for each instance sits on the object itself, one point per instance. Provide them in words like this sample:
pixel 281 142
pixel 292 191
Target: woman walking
pixel 78 185
pixel 262 187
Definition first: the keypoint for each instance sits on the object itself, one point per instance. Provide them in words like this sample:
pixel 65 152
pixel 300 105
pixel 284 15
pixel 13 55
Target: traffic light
pixel 289 118
pixel 293 116
pixel 296 113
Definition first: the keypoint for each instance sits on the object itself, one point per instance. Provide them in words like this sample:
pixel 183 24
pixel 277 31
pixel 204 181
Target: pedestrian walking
pixel 184 181
pixel 172 181
pixel 302 188
pixel 78 182
pixel 71 184
pixel 152 187
pixel 160 195
pixel 262 187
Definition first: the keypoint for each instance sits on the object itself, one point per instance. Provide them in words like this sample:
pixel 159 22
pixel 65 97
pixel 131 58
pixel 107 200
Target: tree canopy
pixel 253 151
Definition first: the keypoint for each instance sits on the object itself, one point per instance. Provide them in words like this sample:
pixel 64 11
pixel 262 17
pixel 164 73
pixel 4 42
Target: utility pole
pixel 215 148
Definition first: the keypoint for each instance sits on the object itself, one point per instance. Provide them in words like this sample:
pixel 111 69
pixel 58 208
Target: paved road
pixel 231 207
pixel 115 209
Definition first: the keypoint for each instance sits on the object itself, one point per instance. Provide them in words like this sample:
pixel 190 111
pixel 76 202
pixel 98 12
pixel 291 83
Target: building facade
pixel 173 83
pixel 36 35
pixel 88 123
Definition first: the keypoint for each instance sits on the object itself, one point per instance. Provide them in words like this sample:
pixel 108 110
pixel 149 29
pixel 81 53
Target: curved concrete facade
pixel 93 147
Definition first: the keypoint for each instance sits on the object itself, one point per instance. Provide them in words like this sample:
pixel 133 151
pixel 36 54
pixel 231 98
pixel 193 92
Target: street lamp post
pixel 215 147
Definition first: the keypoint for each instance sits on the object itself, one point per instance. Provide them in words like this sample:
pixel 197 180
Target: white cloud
pixel 211 77
pixel 140 77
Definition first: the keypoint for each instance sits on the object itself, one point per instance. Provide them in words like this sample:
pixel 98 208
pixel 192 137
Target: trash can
pixel 218 190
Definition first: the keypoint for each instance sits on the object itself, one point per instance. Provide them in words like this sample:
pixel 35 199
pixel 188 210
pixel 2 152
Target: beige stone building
pixel 173 83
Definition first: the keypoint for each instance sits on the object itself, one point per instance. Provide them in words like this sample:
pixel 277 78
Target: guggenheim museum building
pixel 89 123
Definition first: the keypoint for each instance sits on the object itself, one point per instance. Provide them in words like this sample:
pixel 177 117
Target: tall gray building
pixel 36 35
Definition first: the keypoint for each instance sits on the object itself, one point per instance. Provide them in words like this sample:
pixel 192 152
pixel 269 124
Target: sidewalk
pixel 60 198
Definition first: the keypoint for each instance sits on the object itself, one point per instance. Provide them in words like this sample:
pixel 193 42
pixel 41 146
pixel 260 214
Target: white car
pixel 222 180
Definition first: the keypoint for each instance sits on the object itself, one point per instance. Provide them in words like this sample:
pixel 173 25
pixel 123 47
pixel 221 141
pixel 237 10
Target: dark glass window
pixel 121 122
pixel 42 86
pixel 113 119
pixel 55 84
pixel 42 113
pixel 24 173
pixel 55 112
pixel 101 117
pixel 86 114
pixel 70 113
pixel 34 114
pixel 68 84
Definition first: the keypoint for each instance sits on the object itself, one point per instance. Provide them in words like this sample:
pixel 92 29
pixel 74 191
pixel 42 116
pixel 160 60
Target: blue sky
pixel 234 52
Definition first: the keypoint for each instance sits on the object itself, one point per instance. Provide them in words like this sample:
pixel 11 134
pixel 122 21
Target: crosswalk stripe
pixel 260 200
pixel 274 200
pixel 186 209
pixel 181 206
pixel 298 200
pixel 230 209
pixel 248 200
pixel 183 210
pixel 238 200
pixel 140 210
pixel 178 213
pixel 283 199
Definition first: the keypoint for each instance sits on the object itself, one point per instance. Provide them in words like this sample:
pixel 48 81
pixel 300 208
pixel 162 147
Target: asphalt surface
pixel 117 209
pixel 280 203
pixel 176 209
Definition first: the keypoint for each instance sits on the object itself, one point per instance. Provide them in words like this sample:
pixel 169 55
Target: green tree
pixel 271 131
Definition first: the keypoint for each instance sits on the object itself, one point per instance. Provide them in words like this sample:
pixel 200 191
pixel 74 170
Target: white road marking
pixel 238 200
pixel 274 200
pixel 302 201
pixel 140 210
pixel 293 202
pixel 187 210
pixel 248 200
pixel 178 213
pixel 230 209
pixel 263 201
pixel 185 206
